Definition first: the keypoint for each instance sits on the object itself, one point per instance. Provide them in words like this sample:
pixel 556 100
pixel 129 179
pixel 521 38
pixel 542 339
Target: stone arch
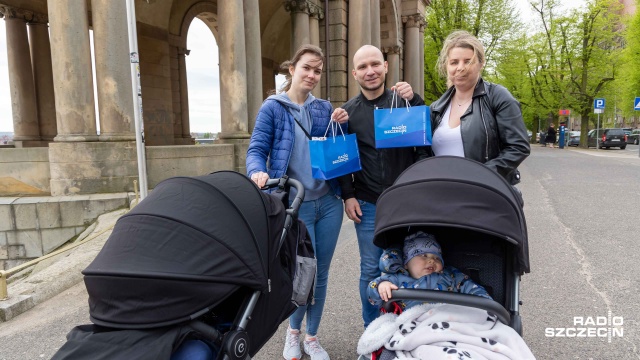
pixel 276 44
pixel 182 15
pixel 207 11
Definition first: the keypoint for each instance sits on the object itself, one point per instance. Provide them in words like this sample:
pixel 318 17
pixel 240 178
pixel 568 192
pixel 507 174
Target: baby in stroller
pixel 421 267
pixel 418 329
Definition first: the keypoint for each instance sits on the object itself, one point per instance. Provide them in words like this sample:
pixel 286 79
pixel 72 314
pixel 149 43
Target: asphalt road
pixel 583 216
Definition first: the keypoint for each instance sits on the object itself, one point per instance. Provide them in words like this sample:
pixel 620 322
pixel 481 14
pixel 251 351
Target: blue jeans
pixel 323 218
pixel 369 259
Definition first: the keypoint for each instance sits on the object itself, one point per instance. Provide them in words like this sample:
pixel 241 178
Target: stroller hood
pixel 449 191
pixel 184 249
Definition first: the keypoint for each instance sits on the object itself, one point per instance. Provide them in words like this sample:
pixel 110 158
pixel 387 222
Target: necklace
pixel 463 103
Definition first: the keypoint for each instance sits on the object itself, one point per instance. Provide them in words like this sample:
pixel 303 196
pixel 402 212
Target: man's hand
pixel 404 90
pixel 352 209
pixel 384 289
pixel 340 115
pixel 260 178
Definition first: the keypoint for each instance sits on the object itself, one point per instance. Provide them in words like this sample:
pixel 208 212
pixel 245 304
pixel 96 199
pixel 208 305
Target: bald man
pixel 380 167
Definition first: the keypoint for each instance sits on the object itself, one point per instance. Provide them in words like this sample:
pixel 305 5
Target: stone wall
pixel 36 225
pixel 31 227
pixel 24 171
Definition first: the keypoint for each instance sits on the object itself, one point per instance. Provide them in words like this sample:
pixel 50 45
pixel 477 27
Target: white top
pixel 447 140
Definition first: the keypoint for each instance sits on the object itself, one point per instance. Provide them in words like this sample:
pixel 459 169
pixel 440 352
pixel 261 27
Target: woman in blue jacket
pixel 279 146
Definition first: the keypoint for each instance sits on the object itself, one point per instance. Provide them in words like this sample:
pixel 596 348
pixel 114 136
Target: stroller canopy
pixel 184 249
pixel 450 191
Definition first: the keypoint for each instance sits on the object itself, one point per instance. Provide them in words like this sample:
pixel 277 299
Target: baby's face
pixel 424 264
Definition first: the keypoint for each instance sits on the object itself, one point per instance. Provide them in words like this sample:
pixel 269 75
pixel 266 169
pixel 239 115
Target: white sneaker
pixel 292 345
pixel 314 350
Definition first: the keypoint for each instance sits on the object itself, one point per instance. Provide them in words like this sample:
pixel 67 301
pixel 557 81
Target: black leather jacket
pixel 492 129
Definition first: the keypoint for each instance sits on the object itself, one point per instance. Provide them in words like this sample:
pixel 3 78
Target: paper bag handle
pixel 333 124
pixel 394 98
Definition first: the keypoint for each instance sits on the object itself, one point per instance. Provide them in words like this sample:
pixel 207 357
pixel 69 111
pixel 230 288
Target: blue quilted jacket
pixel 273 137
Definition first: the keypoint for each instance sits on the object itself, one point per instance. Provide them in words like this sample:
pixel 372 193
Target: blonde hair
pixel 459 39
pixel 284 67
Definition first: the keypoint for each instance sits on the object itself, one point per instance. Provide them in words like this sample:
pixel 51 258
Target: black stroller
pixel 478 220
pixel 199 257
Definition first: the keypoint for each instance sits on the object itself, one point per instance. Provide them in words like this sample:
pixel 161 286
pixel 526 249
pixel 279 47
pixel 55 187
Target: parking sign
pixel 598 105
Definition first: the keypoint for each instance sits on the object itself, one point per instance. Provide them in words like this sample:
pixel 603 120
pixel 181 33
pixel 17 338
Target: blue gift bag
pixel 402 127
pixel 334 156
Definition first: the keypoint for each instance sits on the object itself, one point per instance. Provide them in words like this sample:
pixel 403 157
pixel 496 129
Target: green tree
pixel 494 22
pixel 570 61
pixel 629 80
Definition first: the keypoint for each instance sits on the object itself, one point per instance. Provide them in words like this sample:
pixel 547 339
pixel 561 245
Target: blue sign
pixel 636 104
pixel 598 103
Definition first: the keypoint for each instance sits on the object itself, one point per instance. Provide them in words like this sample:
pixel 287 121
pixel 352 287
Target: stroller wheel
pixel 236 345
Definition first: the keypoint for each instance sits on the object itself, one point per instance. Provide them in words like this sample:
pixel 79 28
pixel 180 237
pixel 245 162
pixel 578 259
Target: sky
pixel 202 74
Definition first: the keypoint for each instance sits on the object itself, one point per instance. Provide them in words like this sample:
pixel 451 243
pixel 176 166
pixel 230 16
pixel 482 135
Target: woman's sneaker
pixel 314 350
pixel 292 345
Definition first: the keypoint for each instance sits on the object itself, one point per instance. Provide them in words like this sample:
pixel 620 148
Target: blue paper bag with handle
pixel 402 126
pixel 334 156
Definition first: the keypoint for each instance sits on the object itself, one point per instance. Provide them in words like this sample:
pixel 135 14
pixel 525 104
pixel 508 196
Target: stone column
pixel 375 23
pixel 393 60
pixel 233 82
pixel 184 98
pixel 23 95
pixel 423 24
pixel 411 51
pixel 300 18
pixel 113 70
pixel 43 76
pixel 72 75
pixel 359 34
pixel 316 14
pixel 254 59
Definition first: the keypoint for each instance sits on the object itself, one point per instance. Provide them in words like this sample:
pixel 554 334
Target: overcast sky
pixel 202 75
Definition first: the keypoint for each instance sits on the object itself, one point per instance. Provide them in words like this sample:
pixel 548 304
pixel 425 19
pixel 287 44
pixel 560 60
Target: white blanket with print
pixel 444 331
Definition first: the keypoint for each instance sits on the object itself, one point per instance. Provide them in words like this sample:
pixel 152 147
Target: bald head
pixel 367 51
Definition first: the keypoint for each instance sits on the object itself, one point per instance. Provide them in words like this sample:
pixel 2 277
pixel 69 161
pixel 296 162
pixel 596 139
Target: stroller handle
pixel 287 181
pixel 453 298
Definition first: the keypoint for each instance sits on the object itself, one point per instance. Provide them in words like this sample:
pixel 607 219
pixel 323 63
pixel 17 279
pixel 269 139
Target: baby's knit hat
pixel 421 243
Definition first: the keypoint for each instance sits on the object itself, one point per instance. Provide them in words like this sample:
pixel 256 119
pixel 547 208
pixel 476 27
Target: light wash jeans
pixel 323 218
pixel 369 259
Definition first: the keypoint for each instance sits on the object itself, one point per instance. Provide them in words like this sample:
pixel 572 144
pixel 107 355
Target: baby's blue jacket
pixel 450 279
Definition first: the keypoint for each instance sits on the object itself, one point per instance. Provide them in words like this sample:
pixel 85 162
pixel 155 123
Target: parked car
pixel 573 138
pixel 634 137
pixel 607 138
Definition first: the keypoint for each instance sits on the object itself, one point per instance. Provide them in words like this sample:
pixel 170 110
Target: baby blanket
pixel 444 331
